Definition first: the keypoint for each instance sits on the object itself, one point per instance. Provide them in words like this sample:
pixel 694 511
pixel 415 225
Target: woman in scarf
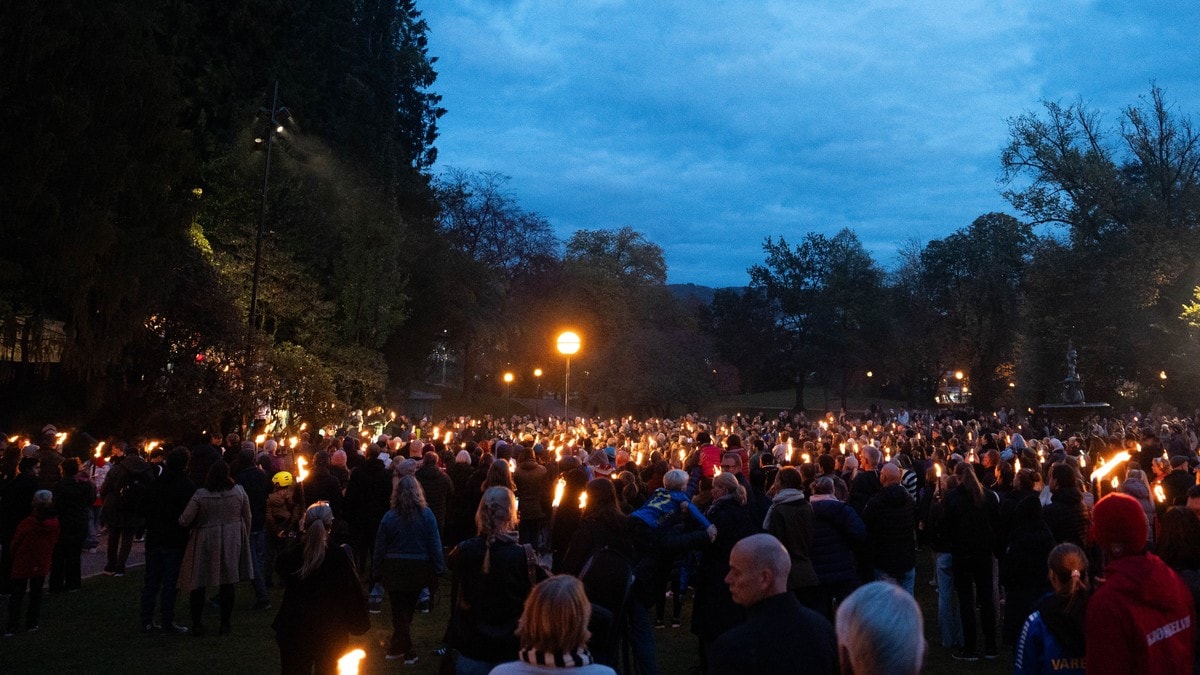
pixel 790 520
pixel 554 632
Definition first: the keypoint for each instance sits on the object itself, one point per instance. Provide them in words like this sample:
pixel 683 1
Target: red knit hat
pixel 1119 524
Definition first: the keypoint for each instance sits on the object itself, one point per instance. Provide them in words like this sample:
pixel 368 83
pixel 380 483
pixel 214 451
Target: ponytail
pixel 1069 566
pixel 317 520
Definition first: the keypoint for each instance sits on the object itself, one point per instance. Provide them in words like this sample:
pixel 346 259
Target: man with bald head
pixel 891 521
pixel 779 634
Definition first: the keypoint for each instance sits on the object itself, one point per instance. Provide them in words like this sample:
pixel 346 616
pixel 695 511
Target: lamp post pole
pixel 568 344
pixel 258 243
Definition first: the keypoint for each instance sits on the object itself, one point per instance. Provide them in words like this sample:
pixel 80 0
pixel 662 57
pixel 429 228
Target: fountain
pixel 1074 408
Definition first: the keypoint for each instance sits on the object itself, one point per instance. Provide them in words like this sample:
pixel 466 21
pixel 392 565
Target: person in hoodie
pixel 1179 548
pixel 1136 485
pixel 32 547
pixel 1142 618
pixel 166 539
pixel 890 517
pixel 1052 637
pixel 790 520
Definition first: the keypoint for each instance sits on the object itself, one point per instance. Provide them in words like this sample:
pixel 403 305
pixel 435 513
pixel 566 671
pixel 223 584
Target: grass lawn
pixel 96 631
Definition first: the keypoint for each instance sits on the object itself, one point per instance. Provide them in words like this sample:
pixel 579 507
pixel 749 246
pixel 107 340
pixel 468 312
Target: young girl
pixel 1052 638
pixel 33 548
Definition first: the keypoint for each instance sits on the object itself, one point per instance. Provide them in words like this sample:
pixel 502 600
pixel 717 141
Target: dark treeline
pixel 134 193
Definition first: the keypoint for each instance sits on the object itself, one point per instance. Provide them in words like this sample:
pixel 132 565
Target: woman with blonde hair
pixel 1052 639
pixel 554 631
pixel 493 574
pixel 408 553
pixel 323 602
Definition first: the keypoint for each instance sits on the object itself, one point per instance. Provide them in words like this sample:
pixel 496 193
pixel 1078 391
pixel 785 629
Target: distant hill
pixel 700 294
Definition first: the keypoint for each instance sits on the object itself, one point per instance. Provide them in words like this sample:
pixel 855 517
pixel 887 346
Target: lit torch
pixel 301 472
pixel 582 500
pixel 1159 494
pixel 348 664
pixel 99 450
pixel 558 491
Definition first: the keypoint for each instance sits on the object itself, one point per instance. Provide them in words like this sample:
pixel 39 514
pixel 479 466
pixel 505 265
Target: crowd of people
pixel 565 542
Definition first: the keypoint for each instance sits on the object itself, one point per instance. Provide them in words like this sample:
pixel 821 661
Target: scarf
pixel 782 497
pixel 573 659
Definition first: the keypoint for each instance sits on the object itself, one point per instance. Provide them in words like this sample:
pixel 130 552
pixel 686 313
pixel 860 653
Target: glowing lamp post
pixel 568 344
pixel 537 404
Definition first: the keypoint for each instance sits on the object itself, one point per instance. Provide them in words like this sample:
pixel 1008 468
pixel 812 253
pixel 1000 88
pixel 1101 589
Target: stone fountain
pixel 1073 408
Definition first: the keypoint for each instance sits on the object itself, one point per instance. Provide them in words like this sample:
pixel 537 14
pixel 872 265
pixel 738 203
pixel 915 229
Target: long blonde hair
pixel 732 486
pixel 317 521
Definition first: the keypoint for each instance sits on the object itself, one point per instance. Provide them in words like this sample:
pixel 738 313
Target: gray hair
pixel 676 479
pixel 880 630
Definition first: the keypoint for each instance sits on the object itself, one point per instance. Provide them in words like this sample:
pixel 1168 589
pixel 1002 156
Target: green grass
pixel 96 631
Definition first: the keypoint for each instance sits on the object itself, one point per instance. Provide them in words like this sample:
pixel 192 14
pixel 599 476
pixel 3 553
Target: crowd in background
pixel 1076 547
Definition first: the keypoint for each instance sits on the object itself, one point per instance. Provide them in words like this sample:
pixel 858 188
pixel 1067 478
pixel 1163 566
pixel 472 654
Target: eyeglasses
pixel 729 467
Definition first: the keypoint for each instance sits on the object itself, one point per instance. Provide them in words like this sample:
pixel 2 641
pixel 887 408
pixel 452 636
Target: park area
pixel 96 631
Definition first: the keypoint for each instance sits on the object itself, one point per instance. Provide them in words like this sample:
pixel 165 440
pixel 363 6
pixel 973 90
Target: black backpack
pixel 133 491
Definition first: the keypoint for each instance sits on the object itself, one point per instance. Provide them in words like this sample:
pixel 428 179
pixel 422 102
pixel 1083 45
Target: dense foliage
pixel 132 210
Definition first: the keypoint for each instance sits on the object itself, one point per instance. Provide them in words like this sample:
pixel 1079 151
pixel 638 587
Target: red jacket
pixel 710 459
pixel 33 546
pixel 1140 620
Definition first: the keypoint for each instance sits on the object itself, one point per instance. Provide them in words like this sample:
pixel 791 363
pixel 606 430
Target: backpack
pixel 133 491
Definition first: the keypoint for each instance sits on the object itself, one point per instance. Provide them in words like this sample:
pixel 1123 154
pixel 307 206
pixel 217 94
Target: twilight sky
pixel 709 126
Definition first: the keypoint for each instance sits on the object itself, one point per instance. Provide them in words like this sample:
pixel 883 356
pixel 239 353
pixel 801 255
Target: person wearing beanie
pixel 1141 618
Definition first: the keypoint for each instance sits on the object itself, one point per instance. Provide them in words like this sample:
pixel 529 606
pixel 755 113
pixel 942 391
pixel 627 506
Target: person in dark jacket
pixel 758 581
pixel 123 517
pixel 257 484
pixel 602 526
pixel 532 497
pixel 970 517
pixel 866 481
pixel 323 602
pixel 368 497
pixel 166 498
pixel 890 517
pixel 1066 514
pixel 322 486
pixel 460 513
pixel 1023 571
pixel 202 458
pixel 491 581
pixel 949 619
pixel 73 498
pixel 714 611
pixel 437 486
pixel 1176 483
pixel 790 520
pixel 837 532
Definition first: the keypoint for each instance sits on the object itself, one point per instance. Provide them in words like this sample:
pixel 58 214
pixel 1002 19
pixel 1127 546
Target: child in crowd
pixel 283 519
pixel 1053 633
pixel 32 550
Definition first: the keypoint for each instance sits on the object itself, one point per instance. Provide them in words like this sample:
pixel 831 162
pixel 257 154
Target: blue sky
pixel 709 126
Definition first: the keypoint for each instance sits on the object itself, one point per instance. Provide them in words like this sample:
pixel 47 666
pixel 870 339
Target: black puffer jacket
pixel 837 532
pixel 1068 517
pixel 891 518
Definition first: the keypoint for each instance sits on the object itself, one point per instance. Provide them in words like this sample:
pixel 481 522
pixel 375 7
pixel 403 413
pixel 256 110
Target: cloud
pixel 710 126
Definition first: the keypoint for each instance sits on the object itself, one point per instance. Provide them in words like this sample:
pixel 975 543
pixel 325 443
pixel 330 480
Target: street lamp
pixel 537 403
pixel 568 344
pixel 275 127
pixel 508 379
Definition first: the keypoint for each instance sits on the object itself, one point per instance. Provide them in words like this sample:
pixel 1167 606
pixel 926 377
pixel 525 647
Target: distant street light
pixel 537 403
pixel 508 379
pixel 568 344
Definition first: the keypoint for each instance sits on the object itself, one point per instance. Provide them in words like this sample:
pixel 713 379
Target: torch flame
pixel 304 426
pixel 292 442
pixel 559 488
pixel 1106 468
pixel 301 472
pixel 1159 494
pixel 1017 465
pixel 348 664
pixel 937 469
pixel 260 439
pixel 1114 482
pixel 582 500
pixel 99 448
pixel 716 471
pixel 150 448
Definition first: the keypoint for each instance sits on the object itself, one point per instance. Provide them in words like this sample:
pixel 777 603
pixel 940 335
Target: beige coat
pixel 218 548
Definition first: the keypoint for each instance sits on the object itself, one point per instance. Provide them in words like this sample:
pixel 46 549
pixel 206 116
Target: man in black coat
pixel 368 497
pixel 757 579
pixel 166 498
pixel 1176 483
pixel 891 518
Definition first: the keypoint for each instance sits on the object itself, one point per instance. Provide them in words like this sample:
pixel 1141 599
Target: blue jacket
pixel 663 504
pixel 837 532
pixel 414 537
pixel 1039 652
